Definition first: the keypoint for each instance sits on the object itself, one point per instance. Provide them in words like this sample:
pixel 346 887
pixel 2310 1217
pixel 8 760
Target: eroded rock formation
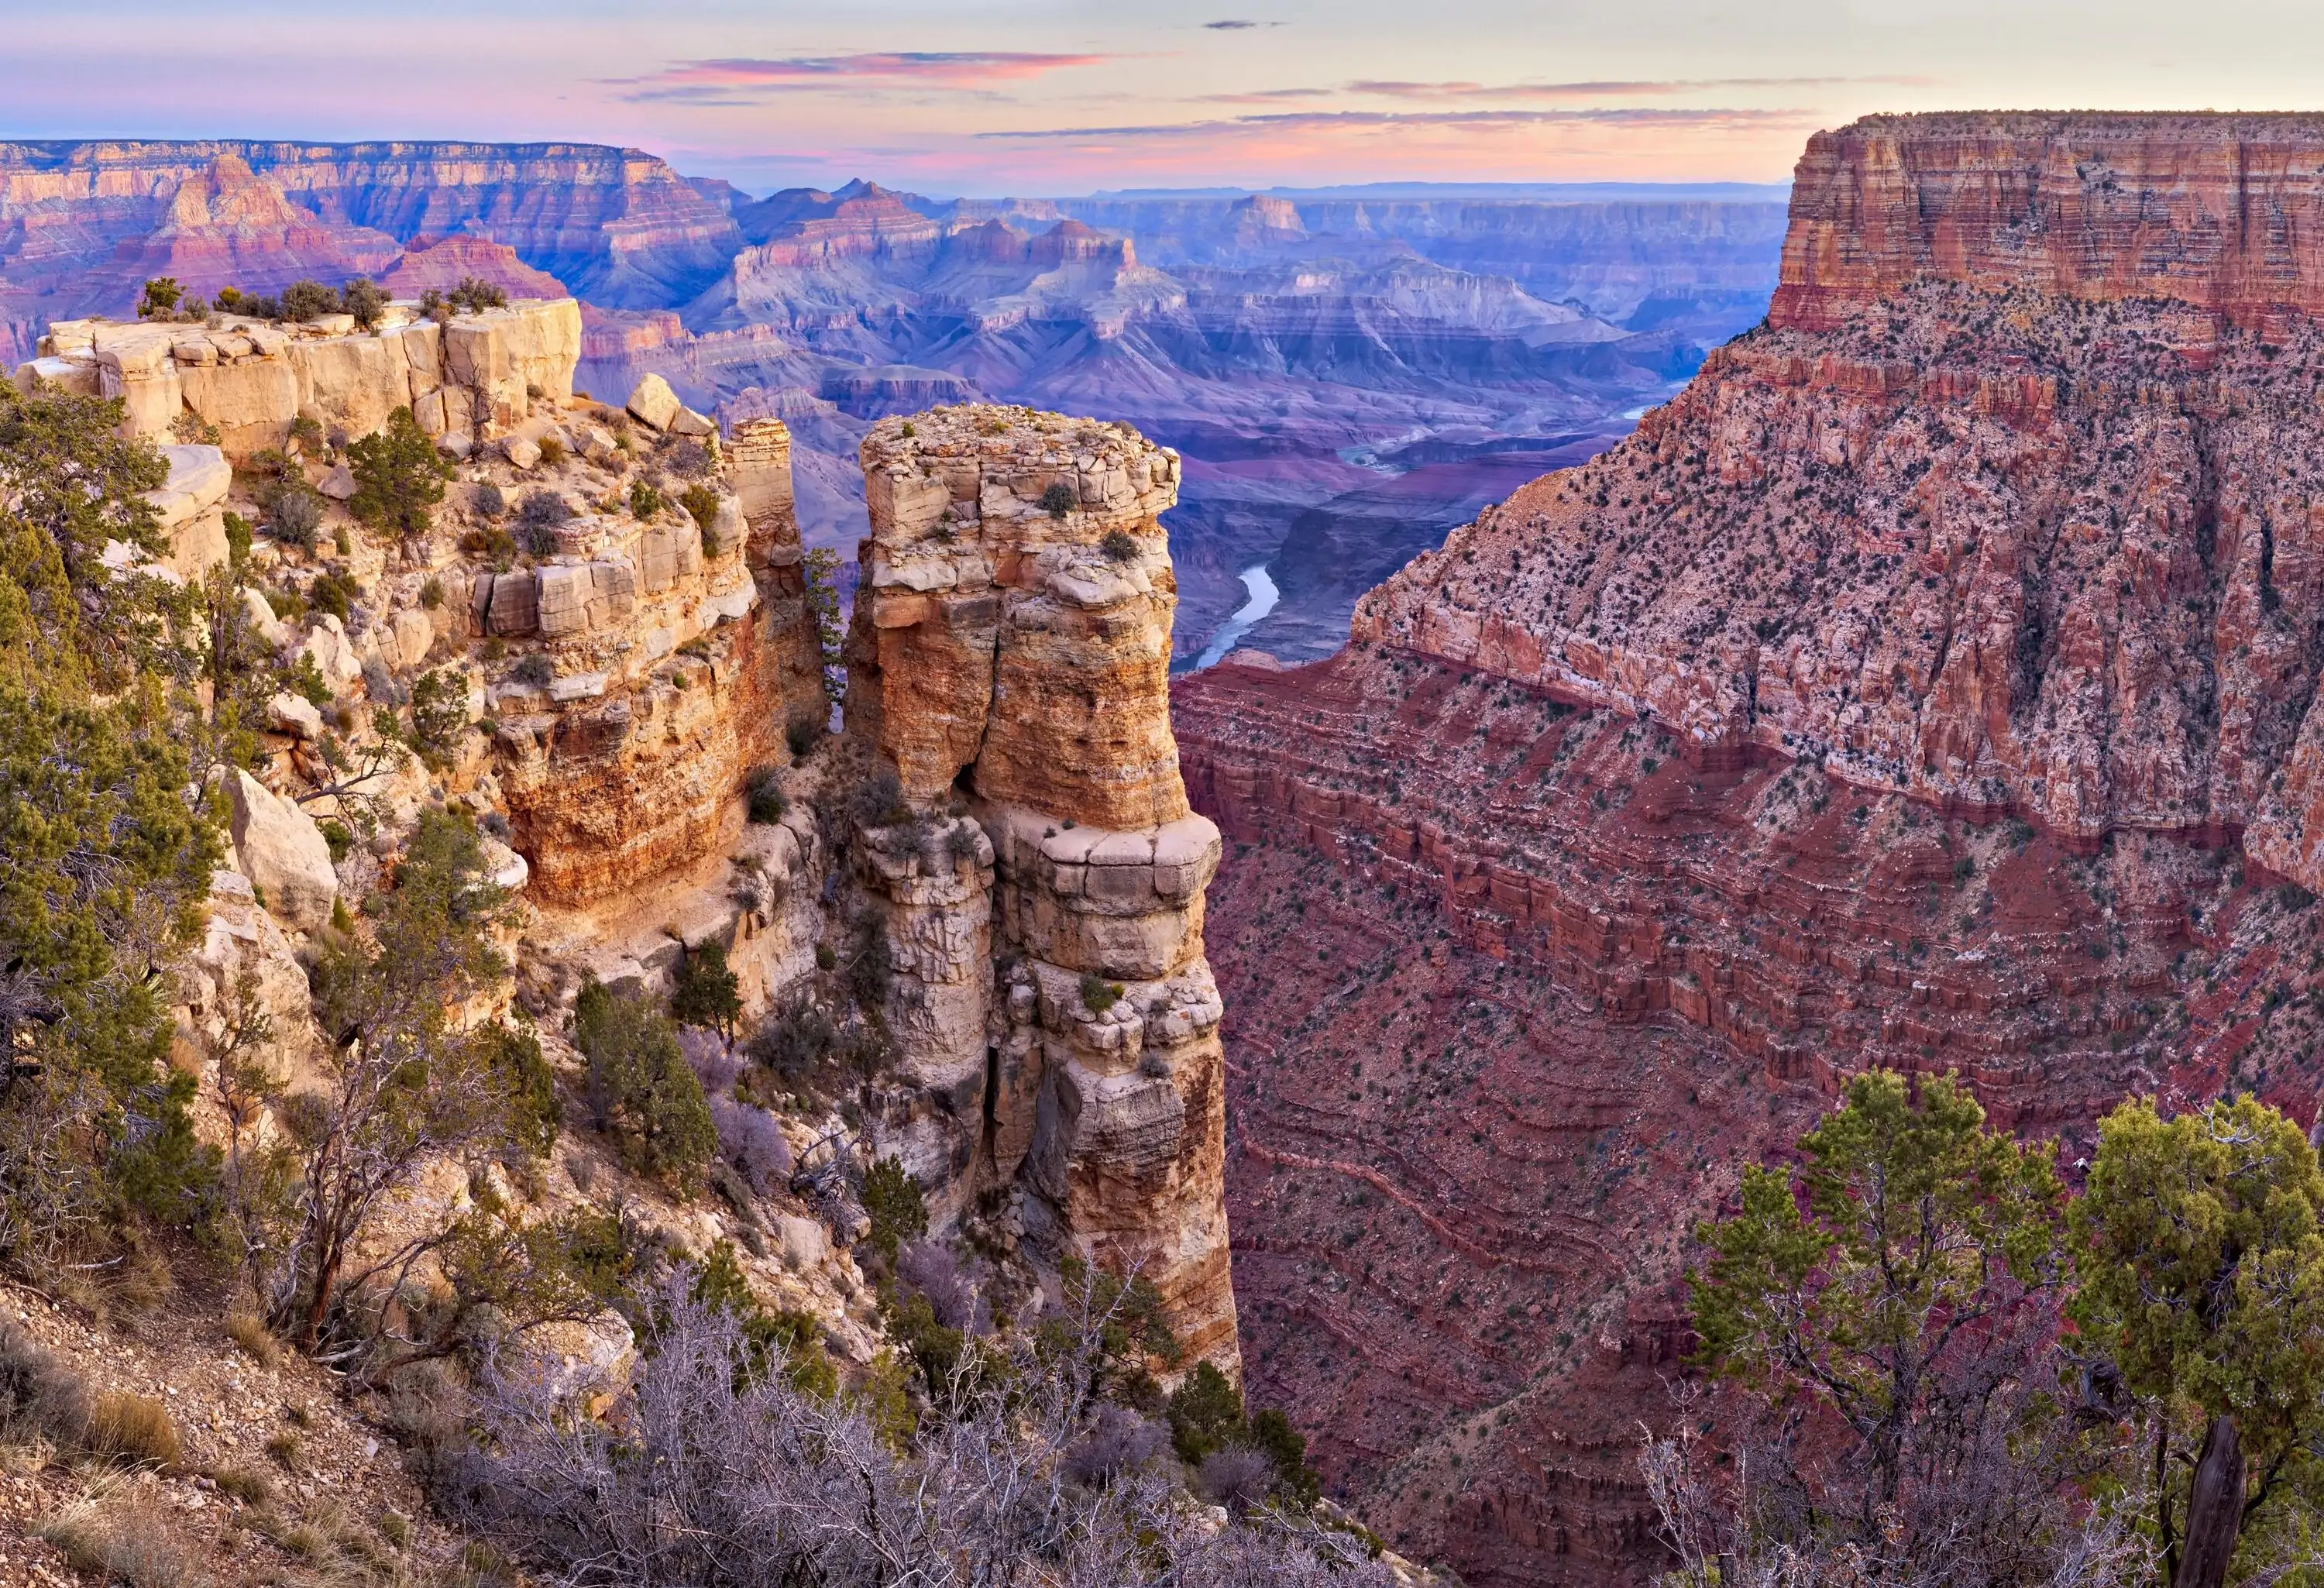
pixel 1043 884
pixel 2011 543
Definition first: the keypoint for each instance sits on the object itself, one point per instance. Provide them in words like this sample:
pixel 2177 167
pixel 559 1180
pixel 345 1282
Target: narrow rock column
pixel 1010 656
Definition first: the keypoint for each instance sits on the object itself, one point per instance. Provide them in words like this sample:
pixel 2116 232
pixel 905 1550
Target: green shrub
pixel 802 737
pixel 431 593
pixel 439 712
pixel 341 841
pixel 333 593
pixel 645 501
pixel 1098 992
pixel 363 299
pixel 474 296
pixel 640 1089
pixel 720 1283
pixel 701 503
pixel 398 477
pixel 899 1212
pixel 1205 1414
pixel 1059 499
pixel 1119 545
pixel 707 993
pixel 534 670
pixel 534 1115
pixel 159 301
pixel 764 794
pixel 305 300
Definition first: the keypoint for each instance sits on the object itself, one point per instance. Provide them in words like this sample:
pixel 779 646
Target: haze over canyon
pixel 1347 375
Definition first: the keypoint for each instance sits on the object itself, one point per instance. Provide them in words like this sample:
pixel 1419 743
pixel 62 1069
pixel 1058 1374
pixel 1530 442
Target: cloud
pixel 1303 120
pixel 1267 95
pixel 719 82
pixel 1236 25
pixel 1639 90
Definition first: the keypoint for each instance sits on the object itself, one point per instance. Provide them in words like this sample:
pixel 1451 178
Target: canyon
pixel 1931 684
pixel 1927 678
pixel 1338 368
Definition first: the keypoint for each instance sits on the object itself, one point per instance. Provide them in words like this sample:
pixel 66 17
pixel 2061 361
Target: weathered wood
pixel 2214 1508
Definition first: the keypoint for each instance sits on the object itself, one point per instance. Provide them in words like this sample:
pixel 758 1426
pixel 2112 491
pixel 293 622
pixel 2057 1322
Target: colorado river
pixel 1263 596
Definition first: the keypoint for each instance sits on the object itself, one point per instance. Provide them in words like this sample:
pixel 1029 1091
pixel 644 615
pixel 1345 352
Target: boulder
pixel 296 715
pixel 686 422
pixel 653 403
pixel 339 484
pixel 262 619
pixel 191 508
pixel 504 866
pixel 805 1244
pixel 333 654
pixel 412 635
pixel 282 852
pixel 521 452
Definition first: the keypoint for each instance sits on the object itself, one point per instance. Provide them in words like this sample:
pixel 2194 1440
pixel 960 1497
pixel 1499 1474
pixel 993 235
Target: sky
pixel 986 97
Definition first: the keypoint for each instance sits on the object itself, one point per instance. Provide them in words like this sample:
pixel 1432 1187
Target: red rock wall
pixel 2223 212
pixel 1514 989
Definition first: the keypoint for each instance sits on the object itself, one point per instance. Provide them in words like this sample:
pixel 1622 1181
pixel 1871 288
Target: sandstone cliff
pixel 473 378
pixel 2217 211
pixel 1008 662
pixel 615 225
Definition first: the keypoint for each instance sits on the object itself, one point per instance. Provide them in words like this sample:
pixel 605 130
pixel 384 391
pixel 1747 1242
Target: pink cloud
pixel 1642 89
pixel 697 80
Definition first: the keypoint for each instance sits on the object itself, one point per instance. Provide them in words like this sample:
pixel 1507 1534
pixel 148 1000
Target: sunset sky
pixel 983 97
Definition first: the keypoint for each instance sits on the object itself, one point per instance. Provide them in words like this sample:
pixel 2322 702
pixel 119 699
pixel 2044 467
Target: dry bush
pixel 712 1472
pixel 248 1484
pixel 286 1448
pixel 124 1535
pixel 134 1427
pixel 249 1330
pixel 40 1395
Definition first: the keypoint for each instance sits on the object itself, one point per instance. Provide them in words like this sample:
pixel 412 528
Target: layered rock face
pixel 2217 211
pixel 617 225
pixel 2012 552
pixel 472 378
pixel 1929 689
pixel 1008 662
pixel 680 655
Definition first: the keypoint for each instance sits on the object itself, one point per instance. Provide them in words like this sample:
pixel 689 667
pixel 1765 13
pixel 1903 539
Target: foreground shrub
pixel 135 1428
pixel 41 1395
pixel 398 476
pixel 715 1470
pixel 124 1534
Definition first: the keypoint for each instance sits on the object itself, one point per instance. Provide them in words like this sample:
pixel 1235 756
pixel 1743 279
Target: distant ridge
pixel 1543 192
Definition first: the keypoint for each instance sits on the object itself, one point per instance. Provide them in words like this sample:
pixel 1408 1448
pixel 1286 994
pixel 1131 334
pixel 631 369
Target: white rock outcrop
pixel 279 847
